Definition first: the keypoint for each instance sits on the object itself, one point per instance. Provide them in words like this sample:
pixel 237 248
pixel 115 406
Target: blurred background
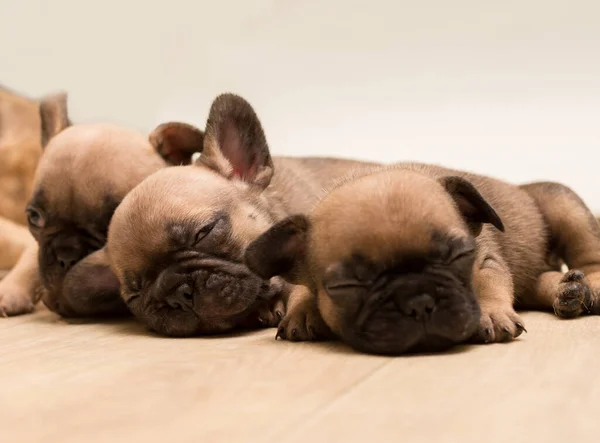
pixel 506 88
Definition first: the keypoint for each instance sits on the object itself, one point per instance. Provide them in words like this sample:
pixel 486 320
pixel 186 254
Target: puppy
pixel 177 240
pixel 84 173
pixel 20 151
pixel 417 257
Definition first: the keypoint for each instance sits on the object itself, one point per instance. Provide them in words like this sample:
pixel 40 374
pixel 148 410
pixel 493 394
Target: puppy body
pixel 20 151
pixel 84 173
pixel 395 256
pixel 177 240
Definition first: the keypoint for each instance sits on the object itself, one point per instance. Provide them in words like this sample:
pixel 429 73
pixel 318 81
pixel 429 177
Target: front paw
pixel 499 324
pixel 303 323
pixel 270 315
pixel 14 301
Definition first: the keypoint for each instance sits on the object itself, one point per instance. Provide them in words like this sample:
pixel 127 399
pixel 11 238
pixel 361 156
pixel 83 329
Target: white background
pixel 507 88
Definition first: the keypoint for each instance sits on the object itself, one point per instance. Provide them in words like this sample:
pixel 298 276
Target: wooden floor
pixel 114 382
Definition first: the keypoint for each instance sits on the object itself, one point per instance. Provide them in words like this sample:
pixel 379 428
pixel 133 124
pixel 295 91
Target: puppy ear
pixel 471 204
pixel 235 144
pixel 281 250
pixel 54 115
pixel 177 142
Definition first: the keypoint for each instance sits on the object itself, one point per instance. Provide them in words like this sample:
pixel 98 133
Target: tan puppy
pixel 397 258
pixel 20 151
pixel 84 173
pixel 177 240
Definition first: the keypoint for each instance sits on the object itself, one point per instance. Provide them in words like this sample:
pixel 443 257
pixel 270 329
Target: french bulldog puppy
pixel 176 241
pixel 83 174
pixel 416 257
pixel 20 151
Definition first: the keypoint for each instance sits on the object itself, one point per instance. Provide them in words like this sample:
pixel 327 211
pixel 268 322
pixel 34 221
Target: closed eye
pixel 205 230
pixel 461 255
pixel 349 284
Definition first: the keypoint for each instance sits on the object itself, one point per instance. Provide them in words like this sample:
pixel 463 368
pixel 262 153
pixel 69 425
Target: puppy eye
pixel 205 230
pixel 461 255
pixel 343 286
pixel 34 218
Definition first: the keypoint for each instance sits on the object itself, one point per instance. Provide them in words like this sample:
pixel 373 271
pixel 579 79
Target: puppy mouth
pixel 201 296
pixel 386 324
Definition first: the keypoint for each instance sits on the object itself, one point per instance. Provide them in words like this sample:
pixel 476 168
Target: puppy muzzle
pixel 201 296
pixel 412 317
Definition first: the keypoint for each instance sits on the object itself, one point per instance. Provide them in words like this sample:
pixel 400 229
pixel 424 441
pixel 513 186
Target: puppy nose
pixel 183 295
pixel 419 307
pixel 185 292
pixel 67 257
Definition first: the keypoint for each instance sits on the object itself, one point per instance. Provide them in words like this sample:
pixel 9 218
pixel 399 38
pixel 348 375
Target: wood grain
pixel 114 381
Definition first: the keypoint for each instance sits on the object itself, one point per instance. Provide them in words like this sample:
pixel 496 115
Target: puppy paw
pixel 499 324
pixel 269 316
pixel 303 323
pixel 574 296
pixel 14 300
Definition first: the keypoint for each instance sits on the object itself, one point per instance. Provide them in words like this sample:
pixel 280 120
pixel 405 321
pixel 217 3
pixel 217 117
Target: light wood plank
pixel 540 389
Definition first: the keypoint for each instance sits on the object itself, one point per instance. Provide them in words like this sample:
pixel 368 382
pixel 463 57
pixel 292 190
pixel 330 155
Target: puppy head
pixel 176 241
pixel 390 257
pixel 84 173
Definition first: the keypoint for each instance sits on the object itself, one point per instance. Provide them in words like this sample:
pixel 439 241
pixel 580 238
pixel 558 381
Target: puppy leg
pixel 493 286
pixel 21 288
pixel 273 308
pixel 575 239
pixel 302 322
pixel 568 294
pixel 14 239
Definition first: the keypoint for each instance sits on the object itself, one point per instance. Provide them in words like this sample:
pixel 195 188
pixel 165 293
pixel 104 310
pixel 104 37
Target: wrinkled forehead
pixel 161 210
pixel 380 221
pixel 379 241
pixel 84 166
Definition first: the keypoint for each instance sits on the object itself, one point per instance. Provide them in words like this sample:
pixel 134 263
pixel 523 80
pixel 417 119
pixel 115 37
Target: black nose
pixel 183 296
pixel 419 307
pixel 67 257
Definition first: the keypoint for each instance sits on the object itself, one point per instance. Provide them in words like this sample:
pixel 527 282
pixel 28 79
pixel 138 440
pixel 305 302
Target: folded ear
pixel 280 251
pixel 471 204
pixel 54 115
pixel 177 142
pixel 235 144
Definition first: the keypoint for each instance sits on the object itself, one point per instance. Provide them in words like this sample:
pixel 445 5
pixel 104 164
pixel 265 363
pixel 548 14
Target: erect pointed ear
pixel 54 115
pixel 235 144
pixel 177 142
pixel 281 250
pixel 471 204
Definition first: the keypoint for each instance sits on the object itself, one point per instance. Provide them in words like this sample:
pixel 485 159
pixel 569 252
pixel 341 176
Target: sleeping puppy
pixel 84 173
pixel 177 240
pixel 417 257
pixel 20 151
